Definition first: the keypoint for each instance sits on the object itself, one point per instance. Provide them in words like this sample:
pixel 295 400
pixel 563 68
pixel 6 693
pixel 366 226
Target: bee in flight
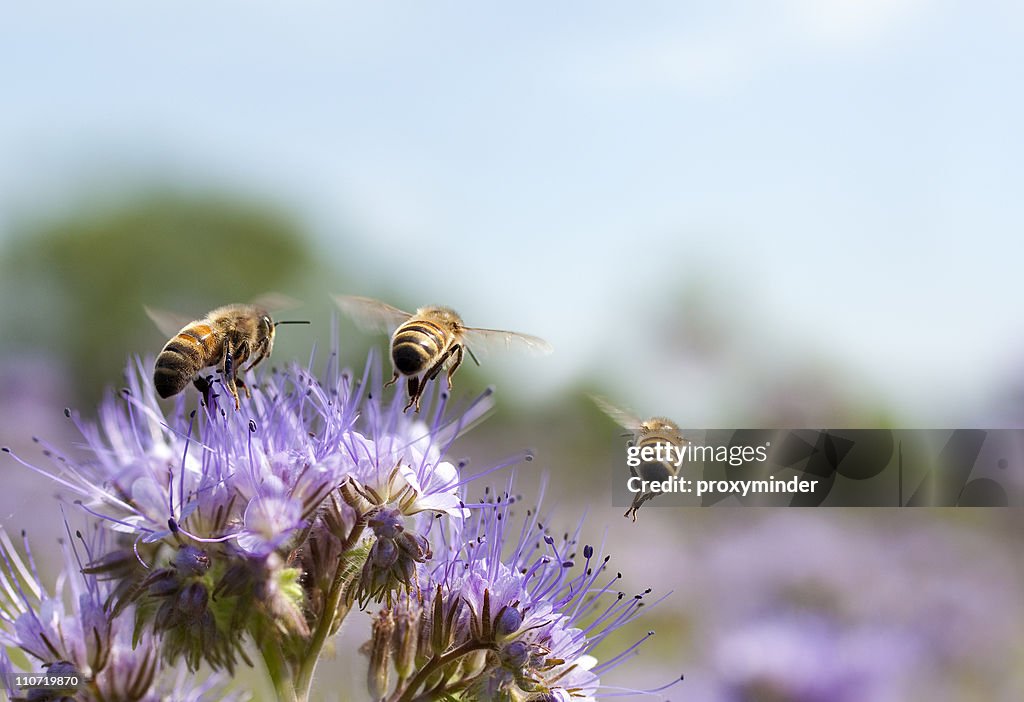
pixel 646 432
pixel 425 343
pixel 226 337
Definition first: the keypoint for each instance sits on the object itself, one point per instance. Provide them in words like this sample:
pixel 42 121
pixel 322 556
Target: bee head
pixel 659 425
pixel 266 327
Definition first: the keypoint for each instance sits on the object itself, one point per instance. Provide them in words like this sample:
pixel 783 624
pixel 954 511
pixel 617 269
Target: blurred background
pixel 793 213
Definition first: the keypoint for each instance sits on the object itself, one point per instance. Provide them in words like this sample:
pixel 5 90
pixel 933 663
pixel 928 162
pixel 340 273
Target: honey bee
pixel 425 343
pixel 226 337
pixel 646 432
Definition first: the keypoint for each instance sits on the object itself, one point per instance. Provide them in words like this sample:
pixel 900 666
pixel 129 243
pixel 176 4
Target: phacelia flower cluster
pixel 228 535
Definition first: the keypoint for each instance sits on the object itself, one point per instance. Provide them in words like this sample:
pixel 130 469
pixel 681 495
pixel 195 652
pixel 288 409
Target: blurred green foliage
pixel 75 286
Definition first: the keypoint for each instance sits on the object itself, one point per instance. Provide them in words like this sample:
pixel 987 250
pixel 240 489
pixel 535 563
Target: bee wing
pixel 489 339
pixel 169 323
pixel 276 302
pixel 370 314
pixel 624 418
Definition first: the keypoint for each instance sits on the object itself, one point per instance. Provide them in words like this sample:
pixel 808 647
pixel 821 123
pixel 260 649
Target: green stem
pixel 433 665
pixel 333 613
pixel 280 672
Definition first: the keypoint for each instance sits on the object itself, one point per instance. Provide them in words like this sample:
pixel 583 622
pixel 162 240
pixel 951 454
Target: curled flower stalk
pixel 228 537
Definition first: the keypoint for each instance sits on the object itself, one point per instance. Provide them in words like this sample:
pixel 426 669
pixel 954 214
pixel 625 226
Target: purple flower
pixel 269 524
pixel 73 632
pixel 257 477
pixel 507 612
pixel 229 524
pixel 802 657
pixel 885 604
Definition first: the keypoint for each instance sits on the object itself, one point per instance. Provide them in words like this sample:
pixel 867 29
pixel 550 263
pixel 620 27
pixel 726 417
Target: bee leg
pixel 638 502
pixel 234 392
pixel 436 368
pixel 415 391
pixel 393 380
pixel 259 357
pixel 419 386
pixel 456 363
pixel 230 372
pixel 241 354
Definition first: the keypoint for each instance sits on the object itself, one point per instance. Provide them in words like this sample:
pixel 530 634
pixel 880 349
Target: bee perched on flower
pixel 236 535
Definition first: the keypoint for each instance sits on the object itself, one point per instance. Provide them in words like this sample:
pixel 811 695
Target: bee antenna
pixel 293 321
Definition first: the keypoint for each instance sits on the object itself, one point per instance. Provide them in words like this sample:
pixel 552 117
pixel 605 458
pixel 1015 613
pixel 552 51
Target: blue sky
pixel 843 178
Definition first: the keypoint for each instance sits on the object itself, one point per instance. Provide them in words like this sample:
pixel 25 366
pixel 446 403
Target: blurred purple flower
pixel 807 658
pixel 907 604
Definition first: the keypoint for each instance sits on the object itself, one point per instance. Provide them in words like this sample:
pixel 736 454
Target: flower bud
pixel 353 497
pixel 405 640
pixel 386 524
pixel 516 655
pixel 507 622
pixel 191 561
pixel 384 553
pixel 380 654
pixel 192 601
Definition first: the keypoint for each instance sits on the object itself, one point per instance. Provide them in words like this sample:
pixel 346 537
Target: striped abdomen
pixel 657 470
pixel 194 348
pixel 417 345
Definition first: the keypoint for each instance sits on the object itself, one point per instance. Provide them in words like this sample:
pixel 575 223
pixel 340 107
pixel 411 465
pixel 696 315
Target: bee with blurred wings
pixel 431 340
pixel 653 432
